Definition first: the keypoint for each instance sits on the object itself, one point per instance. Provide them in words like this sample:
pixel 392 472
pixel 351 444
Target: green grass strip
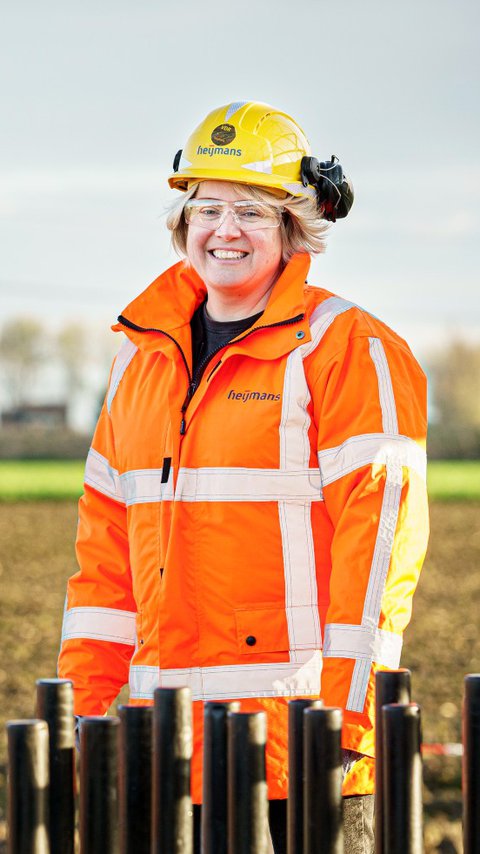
pixel 35 480
pixel 454 480
pixel 30 480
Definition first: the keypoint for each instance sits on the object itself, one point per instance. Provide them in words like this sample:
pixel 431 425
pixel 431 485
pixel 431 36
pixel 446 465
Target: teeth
pixel 228 253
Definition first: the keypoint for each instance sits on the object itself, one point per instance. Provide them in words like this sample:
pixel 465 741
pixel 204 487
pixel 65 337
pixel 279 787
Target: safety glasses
pixel 247 215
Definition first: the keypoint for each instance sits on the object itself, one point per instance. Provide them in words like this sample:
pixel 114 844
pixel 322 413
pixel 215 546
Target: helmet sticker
pixel 223 134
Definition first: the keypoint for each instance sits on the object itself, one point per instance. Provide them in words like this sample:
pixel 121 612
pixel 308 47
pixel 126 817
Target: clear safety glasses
pixel 249 216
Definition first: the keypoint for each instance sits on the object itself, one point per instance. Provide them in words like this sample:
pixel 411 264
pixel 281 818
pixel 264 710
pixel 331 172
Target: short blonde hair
pixel 302 230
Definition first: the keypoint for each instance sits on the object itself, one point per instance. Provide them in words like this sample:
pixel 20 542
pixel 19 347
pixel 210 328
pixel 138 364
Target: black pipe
pixel 172 819
pixel 99 817
pixel 296 709
pixel 323 806
pixel 402 779
pixel 391 686
pixel 135 785
pixel 214 801
pixel 247 786
pixel 471 764
pixel 55 706
pixel 28 787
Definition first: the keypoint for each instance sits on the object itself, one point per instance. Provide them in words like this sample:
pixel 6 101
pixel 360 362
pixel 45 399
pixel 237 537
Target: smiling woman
pixel 302 230
pixel 254 516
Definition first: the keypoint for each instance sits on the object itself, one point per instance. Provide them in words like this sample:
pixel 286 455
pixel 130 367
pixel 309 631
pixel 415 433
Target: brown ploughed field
pixel 442 643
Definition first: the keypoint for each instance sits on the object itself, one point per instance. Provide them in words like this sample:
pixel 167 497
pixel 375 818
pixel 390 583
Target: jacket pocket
pixel 261 630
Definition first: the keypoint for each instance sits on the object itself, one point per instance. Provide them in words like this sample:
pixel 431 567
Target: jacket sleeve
pixel 370 402
pixel 98 635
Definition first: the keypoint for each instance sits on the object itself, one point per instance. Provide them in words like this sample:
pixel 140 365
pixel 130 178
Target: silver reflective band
pixel 247 215
pixel 104 624
pixel 276 679
pixel 382 554
pixel 371 449
pixel 205 484
pixel 385 386
pixel 122 361
pixel 347 641
pixel 243 484
pixel 102 476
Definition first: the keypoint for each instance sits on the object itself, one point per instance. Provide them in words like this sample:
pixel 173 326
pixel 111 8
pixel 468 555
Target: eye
pixel 209 211
pixel 251 213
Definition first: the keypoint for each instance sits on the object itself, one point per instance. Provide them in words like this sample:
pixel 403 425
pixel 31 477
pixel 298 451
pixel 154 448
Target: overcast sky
pixel 98 96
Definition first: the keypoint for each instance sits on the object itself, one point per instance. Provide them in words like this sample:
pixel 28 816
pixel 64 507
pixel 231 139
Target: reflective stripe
pixel 385 387
pixel 346 641
pixel 301 594
pixel 104 624
pixel 143 486
pixel 100 474
pixel 204 484
pixel 295 420
pixel 322 318
pixel 371 449
pixel 296 187
pixel 285 679
pixel 236 105
pixel 120 365
pixel 378 573
pixel 242 484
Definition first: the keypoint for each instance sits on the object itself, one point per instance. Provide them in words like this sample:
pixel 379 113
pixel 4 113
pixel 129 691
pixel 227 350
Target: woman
pixel 254 499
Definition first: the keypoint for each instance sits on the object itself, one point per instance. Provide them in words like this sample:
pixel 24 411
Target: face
pixel 258 254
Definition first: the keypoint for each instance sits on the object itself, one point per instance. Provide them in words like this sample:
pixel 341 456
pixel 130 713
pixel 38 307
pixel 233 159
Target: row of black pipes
pixel 135 776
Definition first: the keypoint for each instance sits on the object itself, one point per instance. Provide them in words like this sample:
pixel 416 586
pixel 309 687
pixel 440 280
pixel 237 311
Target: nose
pixel 228 228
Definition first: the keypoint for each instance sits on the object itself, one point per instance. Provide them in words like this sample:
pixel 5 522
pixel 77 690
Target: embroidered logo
pixel 247 395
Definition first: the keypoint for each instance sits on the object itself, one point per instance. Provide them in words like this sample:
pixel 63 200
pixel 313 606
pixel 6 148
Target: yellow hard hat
pixel 247 142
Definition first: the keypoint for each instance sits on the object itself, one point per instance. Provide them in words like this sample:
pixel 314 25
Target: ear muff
pixel 176 160
pixel 334 190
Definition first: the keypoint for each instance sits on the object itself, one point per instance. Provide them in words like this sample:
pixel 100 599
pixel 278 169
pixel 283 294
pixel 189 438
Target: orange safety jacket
pixel 259 537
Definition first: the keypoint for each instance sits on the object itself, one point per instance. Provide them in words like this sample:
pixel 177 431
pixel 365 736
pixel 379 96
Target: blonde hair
pixel 302 230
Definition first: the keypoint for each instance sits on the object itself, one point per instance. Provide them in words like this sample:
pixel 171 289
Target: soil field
pixel 442 643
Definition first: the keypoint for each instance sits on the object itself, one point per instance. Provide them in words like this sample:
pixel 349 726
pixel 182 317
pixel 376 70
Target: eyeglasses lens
pixel 249 216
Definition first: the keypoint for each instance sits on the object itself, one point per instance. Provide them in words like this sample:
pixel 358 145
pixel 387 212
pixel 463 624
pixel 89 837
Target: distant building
pixel 47 415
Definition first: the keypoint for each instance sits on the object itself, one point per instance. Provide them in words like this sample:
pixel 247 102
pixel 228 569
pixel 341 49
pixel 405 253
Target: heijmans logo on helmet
pixel 223 134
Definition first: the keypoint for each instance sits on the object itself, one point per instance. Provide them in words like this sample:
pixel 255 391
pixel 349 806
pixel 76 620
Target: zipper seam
pixel 291 320
pixel 192 384
pixel 130 325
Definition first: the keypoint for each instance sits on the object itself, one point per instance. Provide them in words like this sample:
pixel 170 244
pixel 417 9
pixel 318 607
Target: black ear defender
pixel 176 160
pixel 334 190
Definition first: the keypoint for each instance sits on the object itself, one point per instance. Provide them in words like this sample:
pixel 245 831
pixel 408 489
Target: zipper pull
pixel 191 391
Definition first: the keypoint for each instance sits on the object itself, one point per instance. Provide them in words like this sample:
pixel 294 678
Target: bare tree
pixel 71 348
pixel 23 349
pixel 456 394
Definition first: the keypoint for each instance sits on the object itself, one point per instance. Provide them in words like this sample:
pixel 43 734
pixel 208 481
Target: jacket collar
pixel 169 303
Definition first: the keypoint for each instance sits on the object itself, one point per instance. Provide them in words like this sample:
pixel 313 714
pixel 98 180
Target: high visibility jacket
pixel 259 537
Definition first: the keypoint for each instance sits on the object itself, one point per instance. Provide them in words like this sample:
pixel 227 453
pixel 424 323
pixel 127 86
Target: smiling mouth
pixel 228 254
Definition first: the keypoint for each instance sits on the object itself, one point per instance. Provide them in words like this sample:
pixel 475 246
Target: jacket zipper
pixel 193 382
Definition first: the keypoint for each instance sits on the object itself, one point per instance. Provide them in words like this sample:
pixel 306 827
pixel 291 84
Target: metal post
pixel 214 801
pixel 247 786
pixel 471 765
pixel 28 787
pixel 135 785
pixel 55 706
pixel 402 779
pixel 323 806
pixel 99 817
pixel 391 686
pixel 296 709
pixel 172 819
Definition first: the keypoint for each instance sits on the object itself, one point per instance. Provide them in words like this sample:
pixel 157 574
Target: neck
pixel 225 306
